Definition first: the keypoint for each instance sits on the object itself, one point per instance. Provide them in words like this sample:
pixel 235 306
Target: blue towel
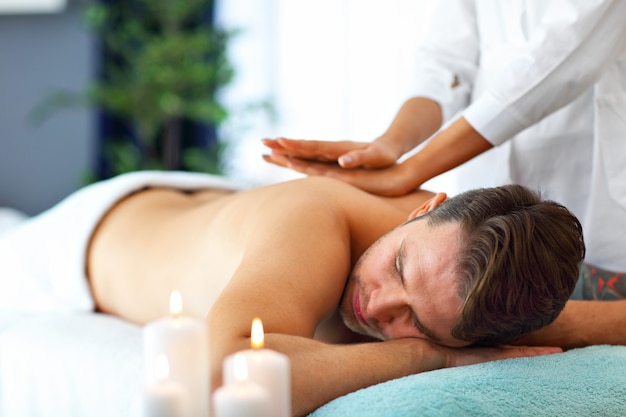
pixel 582 382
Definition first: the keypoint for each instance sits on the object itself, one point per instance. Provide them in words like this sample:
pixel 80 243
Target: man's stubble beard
pixel 346 307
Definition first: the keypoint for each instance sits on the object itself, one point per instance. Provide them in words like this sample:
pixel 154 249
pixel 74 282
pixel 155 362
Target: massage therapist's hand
pixel 346 154
pixel 393 180
pixel 449 148
pixel 417 119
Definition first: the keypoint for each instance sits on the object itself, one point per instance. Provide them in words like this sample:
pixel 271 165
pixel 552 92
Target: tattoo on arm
pixel 600 284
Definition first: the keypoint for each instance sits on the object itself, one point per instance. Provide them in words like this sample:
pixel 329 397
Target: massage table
pixel 90 365
pixel 60 361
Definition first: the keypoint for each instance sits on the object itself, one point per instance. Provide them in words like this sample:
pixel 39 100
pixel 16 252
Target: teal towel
pixel 581 382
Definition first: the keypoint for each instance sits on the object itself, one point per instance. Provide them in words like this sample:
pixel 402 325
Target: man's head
pixel 484 267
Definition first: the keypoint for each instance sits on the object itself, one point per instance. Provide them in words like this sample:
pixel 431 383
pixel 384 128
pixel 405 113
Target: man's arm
pixel 322 372
pixel 600 318
pixel 584 323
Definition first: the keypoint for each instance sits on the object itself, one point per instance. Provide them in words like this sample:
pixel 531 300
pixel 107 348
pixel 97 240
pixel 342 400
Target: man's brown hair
pixel 518 264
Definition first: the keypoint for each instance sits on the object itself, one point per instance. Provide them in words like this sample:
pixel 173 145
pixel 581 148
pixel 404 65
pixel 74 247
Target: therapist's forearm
pixel 417 120
pixel 451 147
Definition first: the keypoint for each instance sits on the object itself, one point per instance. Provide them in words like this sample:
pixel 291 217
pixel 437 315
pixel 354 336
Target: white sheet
pixel 61 364
pixel 58 357
pixel 42 260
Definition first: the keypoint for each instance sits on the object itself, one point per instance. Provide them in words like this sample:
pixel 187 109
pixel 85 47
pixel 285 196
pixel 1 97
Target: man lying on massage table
pixel 324 266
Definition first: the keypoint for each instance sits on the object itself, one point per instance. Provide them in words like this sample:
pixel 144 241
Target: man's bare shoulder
pixel 299 240
pixel 333 193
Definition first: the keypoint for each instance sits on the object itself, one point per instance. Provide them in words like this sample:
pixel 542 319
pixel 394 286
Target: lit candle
pixel 184 341
pixel 164 398
pixel 242 398
pixel 267 368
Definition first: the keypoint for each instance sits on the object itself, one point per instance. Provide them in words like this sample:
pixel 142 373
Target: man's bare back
pixel 160 239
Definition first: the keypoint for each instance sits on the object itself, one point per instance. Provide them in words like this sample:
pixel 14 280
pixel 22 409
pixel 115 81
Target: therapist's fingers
pixel 371 156
pixel 316 150
pixel 390 181
pixel 348 154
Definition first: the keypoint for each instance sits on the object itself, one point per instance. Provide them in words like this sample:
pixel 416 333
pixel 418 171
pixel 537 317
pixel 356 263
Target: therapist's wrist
pixel 414 172
pixel 451 147
pixel 394 144
pixel 417 120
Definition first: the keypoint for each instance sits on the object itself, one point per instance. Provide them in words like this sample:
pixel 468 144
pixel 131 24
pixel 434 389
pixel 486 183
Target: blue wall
pixel 39 53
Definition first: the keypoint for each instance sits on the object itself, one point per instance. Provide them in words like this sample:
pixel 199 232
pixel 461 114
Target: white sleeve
pixel 576 42
pixel 447 56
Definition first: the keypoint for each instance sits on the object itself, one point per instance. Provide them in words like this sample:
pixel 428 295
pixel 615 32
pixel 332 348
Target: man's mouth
pixel 357 310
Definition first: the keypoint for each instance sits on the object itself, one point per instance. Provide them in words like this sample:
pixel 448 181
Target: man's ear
pixel 428 205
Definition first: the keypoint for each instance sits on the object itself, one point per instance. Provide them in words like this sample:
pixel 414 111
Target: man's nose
pixel 385 306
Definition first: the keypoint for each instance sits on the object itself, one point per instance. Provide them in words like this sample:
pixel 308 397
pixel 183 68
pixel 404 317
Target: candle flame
pixel 257 335
pixel 240 367
pixel 161 367
pixel 176 303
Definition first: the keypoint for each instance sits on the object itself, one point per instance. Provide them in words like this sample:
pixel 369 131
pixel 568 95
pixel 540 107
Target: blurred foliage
pixel 165 63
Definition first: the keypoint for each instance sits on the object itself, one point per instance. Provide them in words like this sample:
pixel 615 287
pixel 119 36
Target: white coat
pixel 545 82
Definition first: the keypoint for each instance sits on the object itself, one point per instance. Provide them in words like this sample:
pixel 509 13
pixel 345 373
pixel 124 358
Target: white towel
pixel 42 260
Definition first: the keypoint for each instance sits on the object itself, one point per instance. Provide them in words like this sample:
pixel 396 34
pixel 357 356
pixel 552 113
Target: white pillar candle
pixel 242 398
pixel 164 398
pixel 184 341
pixel 267 368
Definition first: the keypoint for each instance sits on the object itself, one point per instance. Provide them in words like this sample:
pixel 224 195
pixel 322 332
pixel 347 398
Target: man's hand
pixel 473 355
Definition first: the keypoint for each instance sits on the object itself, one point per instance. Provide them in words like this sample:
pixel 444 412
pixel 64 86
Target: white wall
pixel 334 69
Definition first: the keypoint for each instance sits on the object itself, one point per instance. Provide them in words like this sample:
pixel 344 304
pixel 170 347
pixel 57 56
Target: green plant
pixel 165 63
